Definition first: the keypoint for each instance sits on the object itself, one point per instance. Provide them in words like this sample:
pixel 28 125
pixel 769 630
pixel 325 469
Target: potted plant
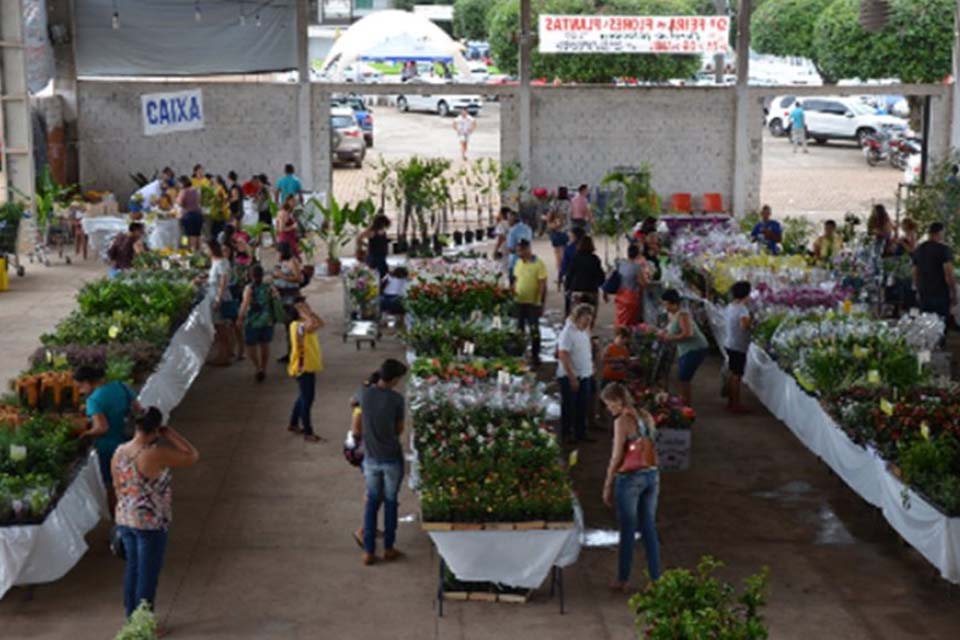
pixel 340 224
pixel 458 238
pixel 686 604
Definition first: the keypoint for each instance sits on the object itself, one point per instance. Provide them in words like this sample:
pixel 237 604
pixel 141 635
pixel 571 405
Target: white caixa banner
pixel 634 34
pixel 172 112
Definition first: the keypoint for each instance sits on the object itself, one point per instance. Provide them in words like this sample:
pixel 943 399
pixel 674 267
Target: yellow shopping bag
pixel 4 279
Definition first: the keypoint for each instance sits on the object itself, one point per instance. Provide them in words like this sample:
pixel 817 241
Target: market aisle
pixel 261 546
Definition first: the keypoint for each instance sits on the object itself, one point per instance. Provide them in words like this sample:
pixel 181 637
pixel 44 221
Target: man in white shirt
pixel 575 374
pixel 464 125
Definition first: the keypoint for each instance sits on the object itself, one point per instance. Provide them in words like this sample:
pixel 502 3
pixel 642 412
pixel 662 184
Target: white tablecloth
pixel 520 559
pixel 161 234
pixel 934 535
pixel 46 552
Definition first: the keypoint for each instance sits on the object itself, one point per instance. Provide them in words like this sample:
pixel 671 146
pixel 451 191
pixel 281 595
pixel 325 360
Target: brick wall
pixel 249 128
pixel 580 134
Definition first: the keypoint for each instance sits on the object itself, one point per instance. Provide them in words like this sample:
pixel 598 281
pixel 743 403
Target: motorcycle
pixel 876 147
pixel 900 151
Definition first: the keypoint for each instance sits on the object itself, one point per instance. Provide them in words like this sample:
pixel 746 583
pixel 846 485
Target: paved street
pixel 827 182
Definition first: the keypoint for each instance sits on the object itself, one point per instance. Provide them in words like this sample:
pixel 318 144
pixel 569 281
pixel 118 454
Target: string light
pixel 115 20
pixel 243 20
pixel 196 12
pixel 258 19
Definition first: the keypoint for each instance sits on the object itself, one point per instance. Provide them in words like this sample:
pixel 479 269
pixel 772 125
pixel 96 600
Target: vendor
pixel 830 244
pixel 124 248
pixel 151 192
pixel 768 231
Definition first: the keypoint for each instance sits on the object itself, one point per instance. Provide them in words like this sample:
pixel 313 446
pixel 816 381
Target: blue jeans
pixel 688 363
pixel 636 496
pixel 307 383
pixel 383 485
pixel 144 549
pixel 575 407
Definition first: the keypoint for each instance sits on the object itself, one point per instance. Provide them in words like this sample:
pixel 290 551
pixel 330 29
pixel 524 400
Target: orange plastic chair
pixel 713 203
pixel 681 203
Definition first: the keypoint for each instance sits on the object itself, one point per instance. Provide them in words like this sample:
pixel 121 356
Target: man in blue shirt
pixel 768 232
pixel 289 185
pixel 518 231
pixel 798 127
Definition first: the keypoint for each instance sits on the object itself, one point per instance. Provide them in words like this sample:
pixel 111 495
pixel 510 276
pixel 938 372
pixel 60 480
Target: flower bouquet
pixel 457 296
pixel 363 288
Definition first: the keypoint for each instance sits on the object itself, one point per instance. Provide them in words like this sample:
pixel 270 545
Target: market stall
pixel 52 493
pixel 858 390
pixel 162 233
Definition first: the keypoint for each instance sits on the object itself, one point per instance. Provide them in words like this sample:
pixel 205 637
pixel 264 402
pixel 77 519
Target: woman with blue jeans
pixel 635 490
pixel 382 415
pixel 142 480
pixel 691 344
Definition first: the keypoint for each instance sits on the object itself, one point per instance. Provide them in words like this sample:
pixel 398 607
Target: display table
pixel 929 531
pixel 34 554
pixel 676 222
pixel 161 234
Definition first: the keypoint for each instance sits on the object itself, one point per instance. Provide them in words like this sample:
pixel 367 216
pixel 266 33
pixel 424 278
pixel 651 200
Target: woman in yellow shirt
pixel 306 361
pixel 199 178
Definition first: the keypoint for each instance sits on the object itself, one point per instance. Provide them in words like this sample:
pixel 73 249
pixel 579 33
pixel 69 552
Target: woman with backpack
pixel 259 311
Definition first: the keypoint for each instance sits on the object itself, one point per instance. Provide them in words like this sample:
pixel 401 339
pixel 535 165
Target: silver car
pixel 347 141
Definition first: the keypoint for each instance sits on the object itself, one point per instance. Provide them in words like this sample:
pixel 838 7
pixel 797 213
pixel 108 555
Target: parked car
pixel 361 111
pixel 347 142
pixel 479 73
pixel 831 118
pixel 442 104
pixel 778 115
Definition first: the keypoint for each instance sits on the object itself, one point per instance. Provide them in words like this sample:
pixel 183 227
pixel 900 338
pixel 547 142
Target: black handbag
pixel 116 543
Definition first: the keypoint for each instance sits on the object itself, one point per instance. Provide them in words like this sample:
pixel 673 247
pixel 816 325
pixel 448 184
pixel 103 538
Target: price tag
pixel 497 322
pixel 925 430
pixel 873 376
pixel 18 452
pixel 503 377
pixel 886 406
pixel 468 348
pixel 165 264
pixel 923 357
pixel 574 458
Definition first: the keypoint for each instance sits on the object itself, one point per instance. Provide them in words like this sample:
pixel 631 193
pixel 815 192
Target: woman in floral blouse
pixel 142 480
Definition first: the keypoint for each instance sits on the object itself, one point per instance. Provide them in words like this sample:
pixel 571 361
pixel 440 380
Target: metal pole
pixel 719 61
pixel 305 101
pixel 741 146
pixel 955 88
pixel 526 135
pixel 924 151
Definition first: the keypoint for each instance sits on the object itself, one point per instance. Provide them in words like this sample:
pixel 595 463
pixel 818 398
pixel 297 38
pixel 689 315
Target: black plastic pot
pixel 401 246
pixel 491 231
pixel 414 245
pixel 458 238
pixel 480 233
pixel 468 236
pixel 437 246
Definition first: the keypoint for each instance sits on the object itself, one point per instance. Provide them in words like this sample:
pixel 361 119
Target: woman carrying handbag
pixel 633 481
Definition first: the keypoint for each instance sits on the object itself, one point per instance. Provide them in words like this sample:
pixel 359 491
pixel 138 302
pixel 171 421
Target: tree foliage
pixel 914 47
pixel 785 27
pixel 470 19
pixel 504 27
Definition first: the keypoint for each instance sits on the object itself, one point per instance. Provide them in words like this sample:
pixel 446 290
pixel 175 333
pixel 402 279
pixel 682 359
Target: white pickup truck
pixel 443 104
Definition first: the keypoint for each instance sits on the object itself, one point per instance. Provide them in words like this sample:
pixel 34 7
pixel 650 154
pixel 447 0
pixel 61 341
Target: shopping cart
pixel 361 305
pixel 57 232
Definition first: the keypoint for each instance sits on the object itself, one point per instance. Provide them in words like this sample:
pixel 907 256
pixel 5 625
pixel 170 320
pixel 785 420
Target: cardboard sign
pixel 684 35
pixel 172 112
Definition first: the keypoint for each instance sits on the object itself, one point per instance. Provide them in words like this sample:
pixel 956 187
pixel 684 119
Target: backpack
pixel 612 284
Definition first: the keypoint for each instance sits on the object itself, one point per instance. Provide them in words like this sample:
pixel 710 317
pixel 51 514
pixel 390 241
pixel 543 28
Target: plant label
pixel 873 376
pixel 18 453
pixel 886 406
pixel 503 378
pixel 923 357
pixel 468 348
pixel 497 322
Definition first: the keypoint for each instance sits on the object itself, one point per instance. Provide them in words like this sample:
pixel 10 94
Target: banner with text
pixel 171 112
pixel 690 35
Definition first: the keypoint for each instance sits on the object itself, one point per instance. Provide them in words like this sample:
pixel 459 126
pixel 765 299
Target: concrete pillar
pixel 305 164
pixel 526 134
pixel 955 87
pixel 741 142
pixel 62 138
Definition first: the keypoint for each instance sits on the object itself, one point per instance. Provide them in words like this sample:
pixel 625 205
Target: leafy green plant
pixel 686 605
pixel 143 295
pixel 933 466
pixel 785 28
pixel 635 199
pixel 142 625
pixel 119 327
pixel 48 195
pixel 749 221
pixel 797 235
pixel 340 222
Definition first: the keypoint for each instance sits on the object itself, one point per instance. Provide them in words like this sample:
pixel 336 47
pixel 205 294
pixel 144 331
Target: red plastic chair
pixel 713 203
pixel 681 203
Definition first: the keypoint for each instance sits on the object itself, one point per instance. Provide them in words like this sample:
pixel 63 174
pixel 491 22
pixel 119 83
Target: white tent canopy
pixel 394 36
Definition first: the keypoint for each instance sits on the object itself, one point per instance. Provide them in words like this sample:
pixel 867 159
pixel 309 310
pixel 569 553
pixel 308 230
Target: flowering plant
pixel 363 287
pixel 668 411
pixel 435 369
pixel 448 338
pixel 457 296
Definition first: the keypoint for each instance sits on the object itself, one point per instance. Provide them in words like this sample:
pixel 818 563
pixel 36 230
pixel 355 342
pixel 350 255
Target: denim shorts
pixel 257 335
pixel 688 364
pixel 737 362
pixel 559 239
